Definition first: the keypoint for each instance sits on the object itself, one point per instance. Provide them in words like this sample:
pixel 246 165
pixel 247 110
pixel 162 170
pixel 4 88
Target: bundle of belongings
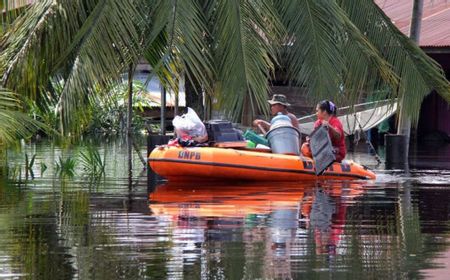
pixel 192 132
pixel 189 129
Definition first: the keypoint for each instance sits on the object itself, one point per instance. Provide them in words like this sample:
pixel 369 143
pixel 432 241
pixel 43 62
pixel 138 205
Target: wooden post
pixel 152 142
pixel 404 123
pixel 129 121
pixel 163 110
pixel 130 100
pixel 176 105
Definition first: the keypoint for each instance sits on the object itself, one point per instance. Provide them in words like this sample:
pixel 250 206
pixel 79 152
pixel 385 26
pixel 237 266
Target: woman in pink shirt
pixel 326 116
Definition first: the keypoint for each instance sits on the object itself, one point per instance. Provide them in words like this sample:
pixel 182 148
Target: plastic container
pixel 250 144
pixel 255 138
pixel 284 140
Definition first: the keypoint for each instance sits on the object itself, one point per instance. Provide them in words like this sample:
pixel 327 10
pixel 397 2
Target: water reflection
pixel 275 230
pixel 52 227
pixel 295 230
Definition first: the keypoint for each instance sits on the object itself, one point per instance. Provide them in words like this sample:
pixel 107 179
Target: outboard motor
pixel 283 137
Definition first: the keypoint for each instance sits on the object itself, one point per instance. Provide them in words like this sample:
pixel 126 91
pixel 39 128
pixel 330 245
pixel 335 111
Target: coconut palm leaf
pixel 27 45
pixel 102 49
pixel 177 45
pixel 327 53
pixel 14 124
pixel 10 12
pixel 245 38
pixel 85 43
pixel 418 73
pixel 315 60
pixel 227 46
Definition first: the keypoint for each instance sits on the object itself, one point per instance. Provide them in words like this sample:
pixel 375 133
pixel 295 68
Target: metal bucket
pixel 284 140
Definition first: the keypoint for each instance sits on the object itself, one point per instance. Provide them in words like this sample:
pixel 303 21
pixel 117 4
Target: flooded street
pixel 397 227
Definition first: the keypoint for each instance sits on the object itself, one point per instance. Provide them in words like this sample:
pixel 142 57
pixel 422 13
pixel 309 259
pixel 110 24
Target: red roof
pixel 435 31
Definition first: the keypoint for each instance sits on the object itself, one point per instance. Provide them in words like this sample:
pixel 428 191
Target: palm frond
pixel 314 31
pixel 418 73
pixel 85 43
pixel 326 53
pixel 245 41
pixel 26 46
pixel 177 44
pixel 106 47
pixel 92 162
pixel 10 11
pixel 14 124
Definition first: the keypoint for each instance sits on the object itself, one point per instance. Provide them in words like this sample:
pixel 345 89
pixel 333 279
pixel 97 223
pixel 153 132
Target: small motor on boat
pixel 283 137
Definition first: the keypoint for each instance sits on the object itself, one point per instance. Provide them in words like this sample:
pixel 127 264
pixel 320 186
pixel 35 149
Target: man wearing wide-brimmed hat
pixel 278 104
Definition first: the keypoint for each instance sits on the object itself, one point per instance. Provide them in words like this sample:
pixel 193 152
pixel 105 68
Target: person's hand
pixel 257 122
pixel 325 124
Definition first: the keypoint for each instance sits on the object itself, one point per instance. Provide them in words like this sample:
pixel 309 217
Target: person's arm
pixel 264 125
pixel 335 133
pixel 294 121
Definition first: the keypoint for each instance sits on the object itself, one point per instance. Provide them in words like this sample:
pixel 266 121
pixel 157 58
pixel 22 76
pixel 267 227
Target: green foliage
pixel 327 52
pixel 92 163
pixel 66 167
pixel 43 168
pixel 13 123
pixel 44 107
pixel 338 49
pixel 14 172
pixel 109 110
pixel 175 43
pixel 418 74
pixel 94 41
pixel 246 37
pixel 29 163
pixel 9 13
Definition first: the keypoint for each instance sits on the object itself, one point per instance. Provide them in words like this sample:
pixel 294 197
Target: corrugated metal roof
pixel 435 31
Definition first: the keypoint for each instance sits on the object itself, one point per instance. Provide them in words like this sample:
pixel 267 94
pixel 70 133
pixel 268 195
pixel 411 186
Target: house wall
pixel 435 111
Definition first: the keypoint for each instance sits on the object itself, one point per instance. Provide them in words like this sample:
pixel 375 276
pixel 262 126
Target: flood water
pixel 62 227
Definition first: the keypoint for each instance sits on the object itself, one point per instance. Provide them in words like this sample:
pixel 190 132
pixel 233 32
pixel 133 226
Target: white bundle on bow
pixel 190 125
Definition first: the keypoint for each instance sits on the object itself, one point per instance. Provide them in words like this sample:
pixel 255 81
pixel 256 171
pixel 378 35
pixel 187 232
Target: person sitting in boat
pixel 326 116
pixel 278 104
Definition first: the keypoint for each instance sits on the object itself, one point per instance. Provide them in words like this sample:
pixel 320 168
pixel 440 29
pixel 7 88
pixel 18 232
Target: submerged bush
pixel 92 162
pixel 66 167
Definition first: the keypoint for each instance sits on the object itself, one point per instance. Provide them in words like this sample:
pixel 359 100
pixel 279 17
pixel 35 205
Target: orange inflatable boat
pixel 205 163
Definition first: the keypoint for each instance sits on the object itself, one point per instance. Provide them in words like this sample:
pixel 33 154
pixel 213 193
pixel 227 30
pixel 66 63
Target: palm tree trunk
pixel 3 159
pixel 194 97
pixel 404 125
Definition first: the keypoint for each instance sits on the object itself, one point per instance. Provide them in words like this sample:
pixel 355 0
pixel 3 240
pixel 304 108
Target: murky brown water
pixel 397 227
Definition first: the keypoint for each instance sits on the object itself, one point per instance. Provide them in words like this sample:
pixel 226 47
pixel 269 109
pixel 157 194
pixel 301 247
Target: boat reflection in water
pixel 270 228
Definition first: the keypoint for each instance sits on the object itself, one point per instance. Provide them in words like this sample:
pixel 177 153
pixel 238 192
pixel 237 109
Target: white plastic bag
pixel 191 125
